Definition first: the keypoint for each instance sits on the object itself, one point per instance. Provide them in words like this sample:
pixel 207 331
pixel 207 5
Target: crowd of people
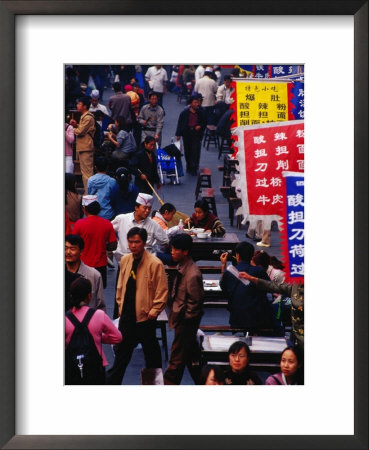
pixel 129 128
pixel 113 220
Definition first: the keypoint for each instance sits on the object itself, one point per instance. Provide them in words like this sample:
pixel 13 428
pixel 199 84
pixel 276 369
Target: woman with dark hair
pixel 164 215
pixel 212 375
pixel 124 193
pixel 261 259
pixel 99 325
pixel 145 167
pixel 123 141
pixel 239 373
pixel 203 218
pixel 292 372
pixel 73 200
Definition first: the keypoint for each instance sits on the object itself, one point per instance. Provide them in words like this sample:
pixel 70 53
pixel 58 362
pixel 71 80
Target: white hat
pixel 87 199
pixel 144 199
pixel 209 69
pixel 95 93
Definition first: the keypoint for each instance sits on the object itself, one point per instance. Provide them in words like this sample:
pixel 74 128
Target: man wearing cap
pixel 98 235
pixel 84 132
pixel 151 119
pixel 95 105
pixel 191 125
pixel 157 238
pixel 74 246
pixel 142 293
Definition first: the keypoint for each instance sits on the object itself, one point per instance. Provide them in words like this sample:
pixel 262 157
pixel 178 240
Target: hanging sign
pixel 293 230
pixel 261 102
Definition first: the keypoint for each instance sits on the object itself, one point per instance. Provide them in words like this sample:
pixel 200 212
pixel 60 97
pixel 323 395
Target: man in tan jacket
pixel 85 131
pixel 142 292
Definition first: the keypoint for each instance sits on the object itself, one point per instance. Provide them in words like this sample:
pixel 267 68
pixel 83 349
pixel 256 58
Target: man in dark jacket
pixel 249 308
pixel 120 104
pixel 295 291
pixel 186 299
pixel 145 167
pixel 191 126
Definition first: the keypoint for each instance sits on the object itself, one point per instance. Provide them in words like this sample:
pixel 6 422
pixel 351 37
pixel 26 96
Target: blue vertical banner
pixel 297 100
pixel 293 234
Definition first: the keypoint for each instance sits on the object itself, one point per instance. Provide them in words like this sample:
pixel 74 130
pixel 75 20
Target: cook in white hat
pixel 87 199
pixel 144 199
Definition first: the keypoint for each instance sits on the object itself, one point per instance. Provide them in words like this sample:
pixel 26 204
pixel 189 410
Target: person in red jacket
pixel 98 235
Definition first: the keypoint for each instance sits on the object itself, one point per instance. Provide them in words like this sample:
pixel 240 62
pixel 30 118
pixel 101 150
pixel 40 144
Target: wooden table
pixel 202 249
pixel 265 351
pixel 214 296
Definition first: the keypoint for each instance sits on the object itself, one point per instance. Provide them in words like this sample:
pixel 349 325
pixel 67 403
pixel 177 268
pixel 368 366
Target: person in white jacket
pixel 207 87
pixel 225 91
pixel 199 72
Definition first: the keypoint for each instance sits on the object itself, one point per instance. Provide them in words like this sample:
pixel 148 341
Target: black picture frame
pixel 8 11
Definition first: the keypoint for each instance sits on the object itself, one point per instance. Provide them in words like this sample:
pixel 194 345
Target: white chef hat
pixel 144 199
pixel 87 199
pixel 95 93
pixel 208 69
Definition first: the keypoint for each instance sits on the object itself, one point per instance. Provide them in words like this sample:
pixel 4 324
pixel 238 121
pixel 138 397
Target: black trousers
pixel 192 150
pixel 134 333
pixel 102 270
pixel 185 351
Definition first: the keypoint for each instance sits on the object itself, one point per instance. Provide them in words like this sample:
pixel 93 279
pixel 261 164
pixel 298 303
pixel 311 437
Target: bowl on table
pixel 202 235
pixel 198 230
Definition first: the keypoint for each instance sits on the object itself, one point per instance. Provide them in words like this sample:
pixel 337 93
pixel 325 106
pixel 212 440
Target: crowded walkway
pixel 172 100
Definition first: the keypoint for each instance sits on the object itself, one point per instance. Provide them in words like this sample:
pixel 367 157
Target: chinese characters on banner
pixel 293 247
pixel 298 100
pixel 269 71
pixel 261 102
pixel 269 151
pixel 265 153
pixel 279 71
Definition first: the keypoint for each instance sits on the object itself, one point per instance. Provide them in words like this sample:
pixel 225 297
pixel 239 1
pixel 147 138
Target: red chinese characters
pixel 270 151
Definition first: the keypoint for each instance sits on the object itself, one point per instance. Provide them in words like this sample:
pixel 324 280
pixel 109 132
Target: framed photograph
pixel 37 39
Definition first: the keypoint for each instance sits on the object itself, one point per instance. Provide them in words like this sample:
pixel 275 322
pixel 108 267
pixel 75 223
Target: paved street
pixel 182 196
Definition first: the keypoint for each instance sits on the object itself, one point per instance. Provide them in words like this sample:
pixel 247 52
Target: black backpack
pixel 83 364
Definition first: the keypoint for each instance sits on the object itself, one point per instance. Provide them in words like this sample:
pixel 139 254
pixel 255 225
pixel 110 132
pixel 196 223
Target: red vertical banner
pixel 270 150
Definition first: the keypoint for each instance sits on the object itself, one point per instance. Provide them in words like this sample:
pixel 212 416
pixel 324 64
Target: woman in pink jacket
pixel 100 327
pixel 292 371
pixel 69 139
